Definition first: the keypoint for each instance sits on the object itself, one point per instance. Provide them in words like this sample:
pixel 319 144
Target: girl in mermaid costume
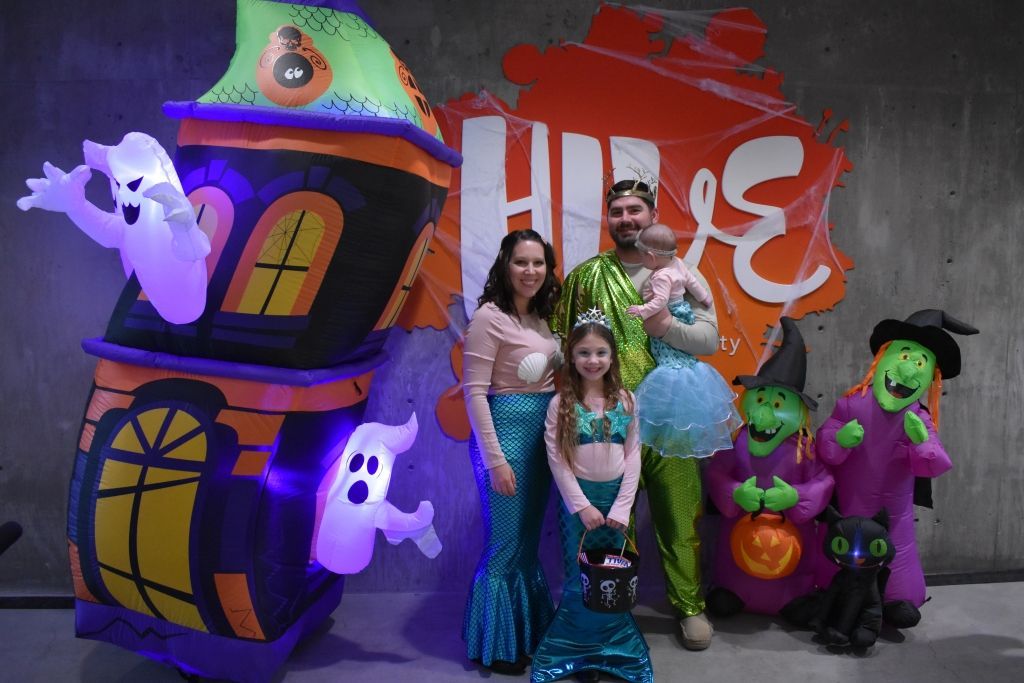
pixel 593 451
pixel 703 424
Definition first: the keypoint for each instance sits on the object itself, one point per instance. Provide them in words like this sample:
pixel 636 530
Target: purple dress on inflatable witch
pixel 880 471
pixel 728 470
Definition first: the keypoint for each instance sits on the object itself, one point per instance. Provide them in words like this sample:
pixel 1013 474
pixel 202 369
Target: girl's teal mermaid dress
pixel 578 638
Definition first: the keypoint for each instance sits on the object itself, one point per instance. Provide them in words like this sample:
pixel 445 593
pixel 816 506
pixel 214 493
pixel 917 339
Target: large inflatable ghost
pixel 356 505
pixel 153 223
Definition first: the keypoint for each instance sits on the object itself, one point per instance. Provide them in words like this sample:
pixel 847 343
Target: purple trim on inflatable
pixel 350 6
pixel 218 368
pixel 195 652
pixel 399 128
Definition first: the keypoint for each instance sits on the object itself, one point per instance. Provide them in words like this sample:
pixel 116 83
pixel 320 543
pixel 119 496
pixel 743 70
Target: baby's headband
pixel 657 252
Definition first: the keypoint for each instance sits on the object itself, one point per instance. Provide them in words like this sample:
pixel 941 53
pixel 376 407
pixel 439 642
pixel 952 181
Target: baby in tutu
pixel 684 407
pixel 670 279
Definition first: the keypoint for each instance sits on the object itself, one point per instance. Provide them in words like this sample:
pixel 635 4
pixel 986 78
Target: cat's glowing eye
pixel 840 546
pixel 878 548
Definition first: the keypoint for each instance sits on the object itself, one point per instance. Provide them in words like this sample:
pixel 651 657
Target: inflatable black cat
pixel 850 611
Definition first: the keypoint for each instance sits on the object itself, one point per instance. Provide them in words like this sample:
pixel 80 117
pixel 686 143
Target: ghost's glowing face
pixel 134 168
pixel 365 475
pixel 903 374
pixel 367 462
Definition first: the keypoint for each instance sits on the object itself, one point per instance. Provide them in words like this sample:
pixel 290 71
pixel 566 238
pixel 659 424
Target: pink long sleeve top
pixel 504 355
pixel 669 284
pixel 599 461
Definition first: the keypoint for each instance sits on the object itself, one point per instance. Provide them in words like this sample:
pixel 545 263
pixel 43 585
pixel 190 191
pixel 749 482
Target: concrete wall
pixel 934 92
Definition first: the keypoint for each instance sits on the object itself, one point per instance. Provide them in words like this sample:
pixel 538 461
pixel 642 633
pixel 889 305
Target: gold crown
pixel 634 190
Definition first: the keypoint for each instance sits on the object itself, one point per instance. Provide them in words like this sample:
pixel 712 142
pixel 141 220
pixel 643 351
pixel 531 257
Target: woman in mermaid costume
pixel 704 423
pixel 510 356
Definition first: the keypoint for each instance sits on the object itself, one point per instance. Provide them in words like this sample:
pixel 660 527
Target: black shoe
pixel 722 602
pixel 589 676
pixel 900 614
pixel 505 668
pixel 803 610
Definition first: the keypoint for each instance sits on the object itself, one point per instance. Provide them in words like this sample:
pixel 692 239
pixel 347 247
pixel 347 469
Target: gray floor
pixel 969 633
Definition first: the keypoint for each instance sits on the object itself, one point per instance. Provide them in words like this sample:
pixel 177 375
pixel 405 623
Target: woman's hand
pixel 503 479
pixel 618 526
pixel 591 517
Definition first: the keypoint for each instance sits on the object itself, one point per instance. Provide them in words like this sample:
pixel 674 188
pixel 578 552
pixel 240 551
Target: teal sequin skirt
pixel 578 638
pixel 509 605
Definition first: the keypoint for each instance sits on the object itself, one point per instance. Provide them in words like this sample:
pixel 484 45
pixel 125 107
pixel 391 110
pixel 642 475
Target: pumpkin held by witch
pixel 766 545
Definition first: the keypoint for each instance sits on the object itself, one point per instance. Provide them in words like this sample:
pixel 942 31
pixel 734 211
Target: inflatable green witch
pixel 880 437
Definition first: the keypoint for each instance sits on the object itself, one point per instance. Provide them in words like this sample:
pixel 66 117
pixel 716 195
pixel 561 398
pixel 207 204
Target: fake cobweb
pixel 743 180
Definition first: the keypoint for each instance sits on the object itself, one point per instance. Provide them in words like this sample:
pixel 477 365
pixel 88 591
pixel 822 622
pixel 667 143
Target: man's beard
pixel 624 241
pixel 627 242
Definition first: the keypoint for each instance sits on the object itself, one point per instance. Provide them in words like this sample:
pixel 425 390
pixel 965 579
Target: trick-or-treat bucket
pixel 608 577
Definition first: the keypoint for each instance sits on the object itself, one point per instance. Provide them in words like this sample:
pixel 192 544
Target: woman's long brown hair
pixel 571 391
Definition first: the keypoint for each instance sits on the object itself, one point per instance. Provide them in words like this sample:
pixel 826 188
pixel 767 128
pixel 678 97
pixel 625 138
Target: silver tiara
pixel 594 315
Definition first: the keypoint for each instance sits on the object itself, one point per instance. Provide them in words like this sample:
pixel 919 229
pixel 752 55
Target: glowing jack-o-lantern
pixel 766 545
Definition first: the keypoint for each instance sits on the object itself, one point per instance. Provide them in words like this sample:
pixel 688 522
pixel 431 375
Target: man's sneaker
pixel 697 632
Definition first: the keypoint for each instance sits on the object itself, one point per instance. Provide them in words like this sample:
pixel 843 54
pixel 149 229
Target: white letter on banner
pixel 752 163
pixel 749 165
pixel 484 197
pixel 582 200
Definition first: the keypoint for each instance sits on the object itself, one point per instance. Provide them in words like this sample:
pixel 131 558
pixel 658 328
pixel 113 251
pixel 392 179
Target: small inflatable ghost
pixel 153 223
pixel 356 505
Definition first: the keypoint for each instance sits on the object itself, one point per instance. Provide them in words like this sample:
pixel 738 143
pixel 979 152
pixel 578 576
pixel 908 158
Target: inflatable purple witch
pixel 880 438
pixel 770 472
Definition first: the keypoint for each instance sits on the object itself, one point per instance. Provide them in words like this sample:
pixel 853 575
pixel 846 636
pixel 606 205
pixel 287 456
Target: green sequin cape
pixel 601 282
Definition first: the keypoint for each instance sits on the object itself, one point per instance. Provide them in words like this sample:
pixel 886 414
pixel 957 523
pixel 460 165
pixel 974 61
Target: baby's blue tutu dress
pixel 684 406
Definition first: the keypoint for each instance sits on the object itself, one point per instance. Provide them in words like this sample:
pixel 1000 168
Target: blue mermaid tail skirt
pixel 509 605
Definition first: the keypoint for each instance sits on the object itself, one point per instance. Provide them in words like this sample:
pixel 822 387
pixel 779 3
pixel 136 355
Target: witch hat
pixel 787 368
pixel 928 328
